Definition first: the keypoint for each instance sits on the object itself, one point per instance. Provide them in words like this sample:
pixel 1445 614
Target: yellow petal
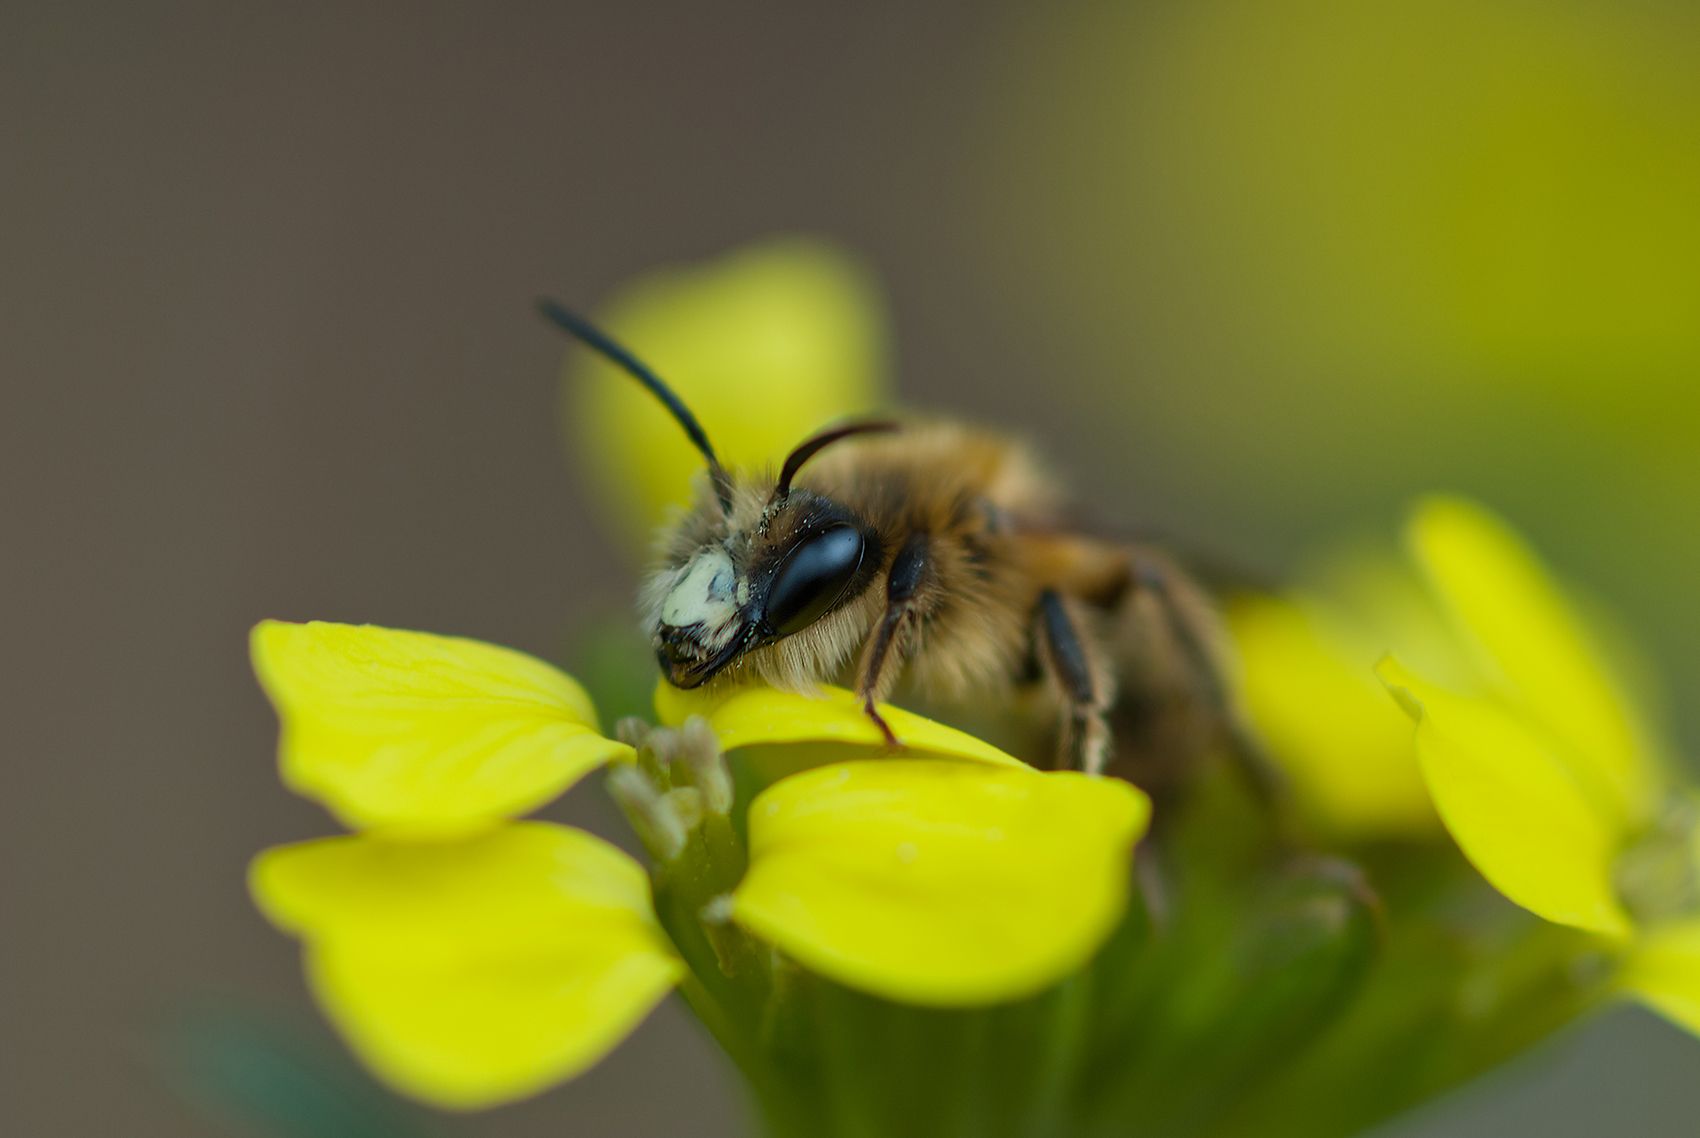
pixel 1514 809
pixel 1663 971
pixel 1531 634
pixel 1315 702
pixel 428 735
pixel 473 972
pixel 756 715
pixel 940 883
pixel 791 326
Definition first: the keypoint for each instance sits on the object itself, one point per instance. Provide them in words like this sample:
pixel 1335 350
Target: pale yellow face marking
pixel 704 593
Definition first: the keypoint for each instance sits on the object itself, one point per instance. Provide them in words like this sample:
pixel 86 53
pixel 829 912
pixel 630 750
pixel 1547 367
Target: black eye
pixel 812 578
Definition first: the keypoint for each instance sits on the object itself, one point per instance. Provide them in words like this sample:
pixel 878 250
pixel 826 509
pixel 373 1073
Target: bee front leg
pixel 1077 667
pixel 911 571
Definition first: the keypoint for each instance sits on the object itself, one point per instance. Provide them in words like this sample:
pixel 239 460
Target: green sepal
pixel 1245 985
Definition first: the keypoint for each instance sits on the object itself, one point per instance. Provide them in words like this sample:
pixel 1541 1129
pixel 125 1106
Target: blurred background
pixel 1254 272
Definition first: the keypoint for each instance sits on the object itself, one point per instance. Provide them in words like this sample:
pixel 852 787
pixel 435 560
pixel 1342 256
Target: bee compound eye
pixel 812 578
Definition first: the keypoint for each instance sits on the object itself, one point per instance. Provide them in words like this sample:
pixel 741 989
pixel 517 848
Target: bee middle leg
pixel 905 602
pixel 1073 660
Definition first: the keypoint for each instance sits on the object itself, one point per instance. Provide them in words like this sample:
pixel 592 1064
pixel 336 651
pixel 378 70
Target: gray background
pixel 268 351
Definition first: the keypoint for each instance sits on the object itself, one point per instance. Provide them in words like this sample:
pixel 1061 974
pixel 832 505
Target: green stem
pixel 713 1016
pixel 1068 1019
pixel 851 1096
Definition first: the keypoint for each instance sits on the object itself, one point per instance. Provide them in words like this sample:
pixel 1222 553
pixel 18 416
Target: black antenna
pixel 599 341
pixel 813 445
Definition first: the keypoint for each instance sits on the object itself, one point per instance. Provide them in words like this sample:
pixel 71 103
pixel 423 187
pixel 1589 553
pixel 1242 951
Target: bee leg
pixel 1085 734
pixel 1190 627
pixel 910 570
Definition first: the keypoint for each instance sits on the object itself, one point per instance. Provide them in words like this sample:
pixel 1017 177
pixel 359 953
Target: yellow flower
pixel 467 960
pixel 1548 779
pixel 765 717
pixel 473 971
pixel 471 959
pixel 940 883
pixel 428 734
pixel 922 880
pixel 765 346
pixel 1308 684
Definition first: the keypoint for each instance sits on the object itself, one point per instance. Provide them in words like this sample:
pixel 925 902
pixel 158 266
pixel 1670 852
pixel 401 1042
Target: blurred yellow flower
pixel 1353 767
pixel 471 960
pixel 1308 684
pixel 1536 648
pixel 1548 778
pixel 764 345
pixel 1520 216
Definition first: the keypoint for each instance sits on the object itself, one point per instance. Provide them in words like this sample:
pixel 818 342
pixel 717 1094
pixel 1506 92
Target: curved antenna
pixel 813 445
pixel 610 349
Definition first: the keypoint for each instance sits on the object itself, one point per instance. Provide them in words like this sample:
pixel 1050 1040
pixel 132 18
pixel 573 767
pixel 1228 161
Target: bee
pixel 940 552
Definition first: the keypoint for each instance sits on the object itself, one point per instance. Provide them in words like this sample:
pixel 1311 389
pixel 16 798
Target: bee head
pixel 743 586
pixel 747 568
